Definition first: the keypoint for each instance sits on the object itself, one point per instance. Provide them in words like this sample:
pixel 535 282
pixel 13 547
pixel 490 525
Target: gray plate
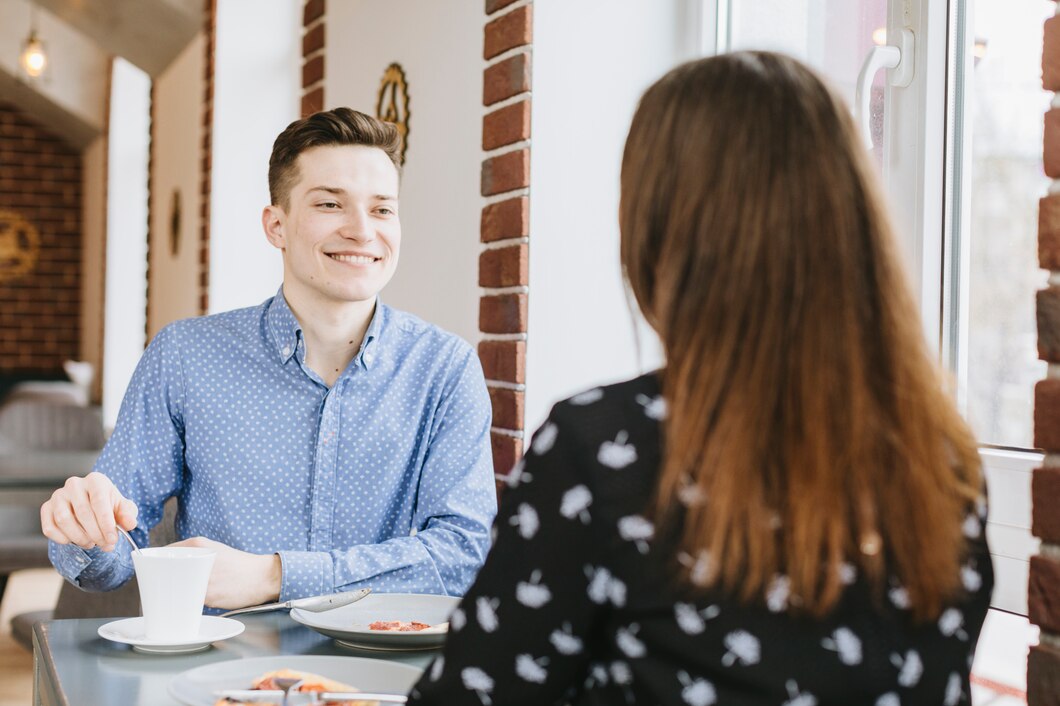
pixel 195 687
pixel 349 624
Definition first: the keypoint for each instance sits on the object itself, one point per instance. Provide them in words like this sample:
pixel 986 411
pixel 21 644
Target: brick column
pixel 1043 591
pixel 313 57
pixel 206 168
pixel 505 225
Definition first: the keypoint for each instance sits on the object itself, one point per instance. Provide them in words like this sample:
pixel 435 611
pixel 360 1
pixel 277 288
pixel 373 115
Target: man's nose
pixel 357 226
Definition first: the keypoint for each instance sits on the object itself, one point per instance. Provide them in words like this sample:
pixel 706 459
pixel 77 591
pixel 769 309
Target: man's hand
pixel 84 512
pixel 239 579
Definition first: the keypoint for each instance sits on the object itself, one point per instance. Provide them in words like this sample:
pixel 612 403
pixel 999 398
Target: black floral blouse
pixel 576 603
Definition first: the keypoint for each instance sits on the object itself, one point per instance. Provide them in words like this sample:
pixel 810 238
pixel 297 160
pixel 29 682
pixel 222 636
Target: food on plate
pixel 310 683
pixel 398 625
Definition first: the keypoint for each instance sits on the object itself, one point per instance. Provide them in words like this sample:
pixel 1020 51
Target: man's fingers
pixel 103 512
pixel 67 524
pixel 126 513
pixel 86 517
pixel 47 525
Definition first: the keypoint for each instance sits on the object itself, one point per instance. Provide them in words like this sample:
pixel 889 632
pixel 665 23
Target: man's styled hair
pixel 341 126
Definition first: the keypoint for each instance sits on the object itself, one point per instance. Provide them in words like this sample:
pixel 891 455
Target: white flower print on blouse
pixel 971 579
pixel 654 407
pixel 604 588
pixel 478 681
pixel 951 623
pixel 587 397
pixel 953 690
pixel 689 493
pixel 565 641
pixel 743 648
pixel 797 698
pixel 910 669
pixel 598 675
pixel 846 643
pixel 486 612
pixel 457 620
pixel 518 474
pixel 627 641
pixel 437 667
pixel 617 454
pixel 621 674
pixel 889 699
pixel 701 567
pixel 533 594
pixel 971 527
pixel 575 503
pixel 899 597
pixel 691 620
pixel 778 593
pixel 696 692
pixel 525 518
pixel 636 529
pixel 530 669
pixel 545 439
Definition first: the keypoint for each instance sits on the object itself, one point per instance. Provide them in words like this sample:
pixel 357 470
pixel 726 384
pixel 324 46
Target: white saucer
pixel 130 631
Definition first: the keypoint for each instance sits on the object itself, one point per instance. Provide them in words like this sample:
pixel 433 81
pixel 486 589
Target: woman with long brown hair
pixel 790 511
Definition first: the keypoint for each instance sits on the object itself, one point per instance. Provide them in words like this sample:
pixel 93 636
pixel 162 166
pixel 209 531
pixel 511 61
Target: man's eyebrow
pixel 339 191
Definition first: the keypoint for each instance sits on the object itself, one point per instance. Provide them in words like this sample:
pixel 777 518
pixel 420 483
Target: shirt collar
pixel 287 332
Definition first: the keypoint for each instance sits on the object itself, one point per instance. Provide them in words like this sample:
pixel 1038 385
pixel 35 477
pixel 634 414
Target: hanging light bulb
pixel 34 58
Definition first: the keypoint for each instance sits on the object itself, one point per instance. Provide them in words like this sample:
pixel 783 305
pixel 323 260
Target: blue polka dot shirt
pixel 384 480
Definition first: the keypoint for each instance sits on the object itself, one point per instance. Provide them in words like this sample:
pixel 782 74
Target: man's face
pixel 340 233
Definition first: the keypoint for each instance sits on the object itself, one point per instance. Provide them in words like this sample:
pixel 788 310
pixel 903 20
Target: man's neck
pixel 332 330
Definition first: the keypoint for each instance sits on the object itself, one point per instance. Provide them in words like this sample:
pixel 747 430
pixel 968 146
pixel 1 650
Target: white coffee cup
pixel 173 583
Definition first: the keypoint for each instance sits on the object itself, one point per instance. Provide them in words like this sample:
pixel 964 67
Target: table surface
pixel 43 470
pixel 73 665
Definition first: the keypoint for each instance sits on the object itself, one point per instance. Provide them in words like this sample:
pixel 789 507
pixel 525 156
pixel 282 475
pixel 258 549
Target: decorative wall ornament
pixel 174 223
pixel 19 245
pixel 393 104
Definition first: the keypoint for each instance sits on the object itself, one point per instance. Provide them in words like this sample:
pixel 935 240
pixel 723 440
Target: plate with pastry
pixel 386 621
pixel 313 680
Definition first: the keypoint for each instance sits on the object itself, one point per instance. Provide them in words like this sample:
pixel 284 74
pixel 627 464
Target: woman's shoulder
pixel 610 431
pixel 636 401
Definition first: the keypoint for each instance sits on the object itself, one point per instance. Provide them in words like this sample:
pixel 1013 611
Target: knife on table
pixel 261 695
pixel 314 604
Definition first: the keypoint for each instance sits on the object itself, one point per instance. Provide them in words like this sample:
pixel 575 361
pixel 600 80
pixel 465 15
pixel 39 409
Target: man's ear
pixel 273 220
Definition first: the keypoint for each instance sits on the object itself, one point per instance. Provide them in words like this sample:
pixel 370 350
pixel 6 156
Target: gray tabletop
pixel 73 665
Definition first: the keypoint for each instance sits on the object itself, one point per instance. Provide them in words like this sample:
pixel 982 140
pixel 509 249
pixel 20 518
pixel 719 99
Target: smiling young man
pixel 321 441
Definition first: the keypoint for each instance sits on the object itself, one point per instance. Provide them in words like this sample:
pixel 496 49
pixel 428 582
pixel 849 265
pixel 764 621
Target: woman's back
pixel 582 592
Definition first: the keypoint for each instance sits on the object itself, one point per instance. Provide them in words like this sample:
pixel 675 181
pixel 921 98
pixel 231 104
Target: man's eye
pixel 328 204
pixel 383 210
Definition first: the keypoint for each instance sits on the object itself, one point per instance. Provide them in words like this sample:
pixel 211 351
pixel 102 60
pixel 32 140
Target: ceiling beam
pixel 49 114
pixel 147 33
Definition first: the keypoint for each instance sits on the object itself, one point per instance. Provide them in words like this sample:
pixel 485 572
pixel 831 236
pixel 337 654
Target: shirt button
pixel 286 351
pixel 367 357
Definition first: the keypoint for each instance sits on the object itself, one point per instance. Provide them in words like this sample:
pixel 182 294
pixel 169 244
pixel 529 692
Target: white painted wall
pixel 126 281
pixel 93 236
pixel 175 166
pixel 439 44
pixel 257 93
pixel 592 61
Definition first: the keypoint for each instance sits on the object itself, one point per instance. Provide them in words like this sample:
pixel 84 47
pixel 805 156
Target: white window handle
pixel 898 58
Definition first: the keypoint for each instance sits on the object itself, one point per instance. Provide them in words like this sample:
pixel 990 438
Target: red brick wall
pixel 1043 591
pixel 505 225
pixel 313 57
pixel 40 312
